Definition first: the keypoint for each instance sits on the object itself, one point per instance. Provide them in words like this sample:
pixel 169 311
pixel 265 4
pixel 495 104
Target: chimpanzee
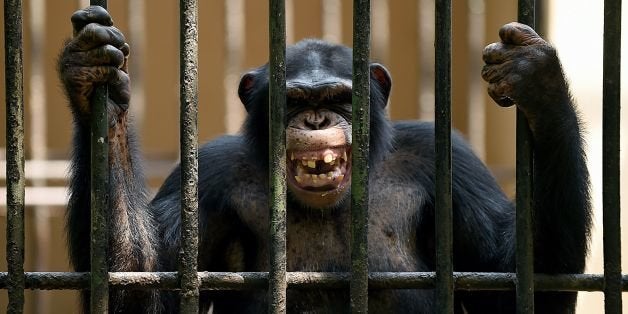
pixel 144 235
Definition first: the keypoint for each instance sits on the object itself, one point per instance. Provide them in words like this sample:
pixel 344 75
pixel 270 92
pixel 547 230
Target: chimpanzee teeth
pixel 292 156
pixel 322 176
pixel 344 155
pixel 298 179
pixel 311 164
pixel 341 177
pixel 330 174
pixel 304 162
pixel 328 158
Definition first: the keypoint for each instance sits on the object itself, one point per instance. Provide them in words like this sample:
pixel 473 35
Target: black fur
pixel 233 191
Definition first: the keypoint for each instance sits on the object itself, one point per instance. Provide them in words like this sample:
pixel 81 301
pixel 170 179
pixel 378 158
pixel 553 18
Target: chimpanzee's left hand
pixel 523 69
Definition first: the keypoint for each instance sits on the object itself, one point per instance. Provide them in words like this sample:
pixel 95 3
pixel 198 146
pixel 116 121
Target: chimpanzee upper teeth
pixel 311 164
pixel 304 162
pixel 344 155
pixel 292 156
pixel 328 158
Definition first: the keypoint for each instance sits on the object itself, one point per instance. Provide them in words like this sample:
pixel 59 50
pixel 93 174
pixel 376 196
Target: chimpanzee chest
pixel 321 242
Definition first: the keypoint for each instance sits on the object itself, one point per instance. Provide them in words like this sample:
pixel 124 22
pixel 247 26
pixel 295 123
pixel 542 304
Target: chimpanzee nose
pixel 316 120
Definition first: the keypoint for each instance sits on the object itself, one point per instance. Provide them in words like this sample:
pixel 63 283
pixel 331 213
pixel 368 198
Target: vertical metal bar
pixel 610 170
pixel 277 284
pixel 360 155
pixel 524 202
pixel 99 286
pixel 444 228
pixel 14 84
pixel 188 67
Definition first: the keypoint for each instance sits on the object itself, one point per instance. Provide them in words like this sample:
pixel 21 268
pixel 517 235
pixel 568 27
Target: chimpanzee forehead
pixel 315 60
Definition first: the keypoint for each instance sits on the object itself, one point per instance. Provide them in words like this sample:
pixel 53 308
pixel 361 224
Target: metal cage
pixel 189 281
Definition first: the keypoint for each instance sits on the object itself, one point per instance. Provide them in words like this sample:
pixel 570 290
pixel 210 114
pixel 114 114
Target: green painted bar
pixel 188 67
pixel 277 157
pixel 14 85
pixel 611 149
pixel 360 156
pixel 443 202
pixel 99 287
pixel 525 200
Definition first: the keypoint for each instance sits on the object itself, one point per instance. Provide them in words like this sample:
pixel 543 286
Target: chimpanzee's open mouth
pixel 320 170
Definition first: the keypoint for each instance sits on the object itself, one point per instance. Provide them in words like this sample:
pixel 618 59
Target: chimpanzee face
pixel 318 118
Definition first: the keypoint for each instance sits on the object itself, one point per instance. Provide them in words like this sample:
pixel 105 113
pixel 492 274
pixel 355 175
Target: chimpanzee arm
pixel 95 56
pixel 524 70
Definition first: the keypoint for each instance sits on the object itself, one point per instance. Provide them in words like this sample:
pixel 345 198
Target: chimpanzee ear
pixel 381 76
pixel 247 85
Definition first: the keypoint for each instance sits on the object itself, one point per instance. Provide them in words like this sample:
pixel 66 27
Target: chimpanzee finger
pixel 503 92
pixel 94 35
pixel 119 91
pixel 91 14
pixel 126 50
pixel 492 73
pixel 519 34
pixel 103 55
pixel 495 53
pixel 92 74
pixel 82 79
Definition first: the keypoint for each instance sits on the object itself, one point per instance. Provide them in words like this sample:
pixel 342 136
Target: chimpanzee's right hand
pixel 96 55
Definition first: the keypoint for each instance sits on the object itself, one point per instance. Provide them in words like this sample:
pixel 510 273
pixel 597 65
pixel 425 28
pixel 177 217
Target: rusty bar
pixel 14 85
pixel 99 178
pixel 444 214
pixel 524 201
pixel 277 157
pixel 611 167
pixel 464 281
pixel 360 155
pixel 188 67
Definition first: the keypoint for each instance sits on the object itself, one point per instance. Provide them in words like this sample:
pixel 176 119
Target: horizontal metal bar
pixel 466 281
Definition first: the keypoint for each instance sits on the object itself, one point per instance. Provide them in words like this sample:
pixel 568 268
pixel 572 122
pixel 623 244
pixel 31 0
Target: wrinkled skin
pixel 522 69
pixel 523 54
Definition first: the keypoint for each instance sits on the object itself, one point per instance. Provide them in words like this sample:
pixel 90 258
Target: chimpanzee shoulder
pixel 224 164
